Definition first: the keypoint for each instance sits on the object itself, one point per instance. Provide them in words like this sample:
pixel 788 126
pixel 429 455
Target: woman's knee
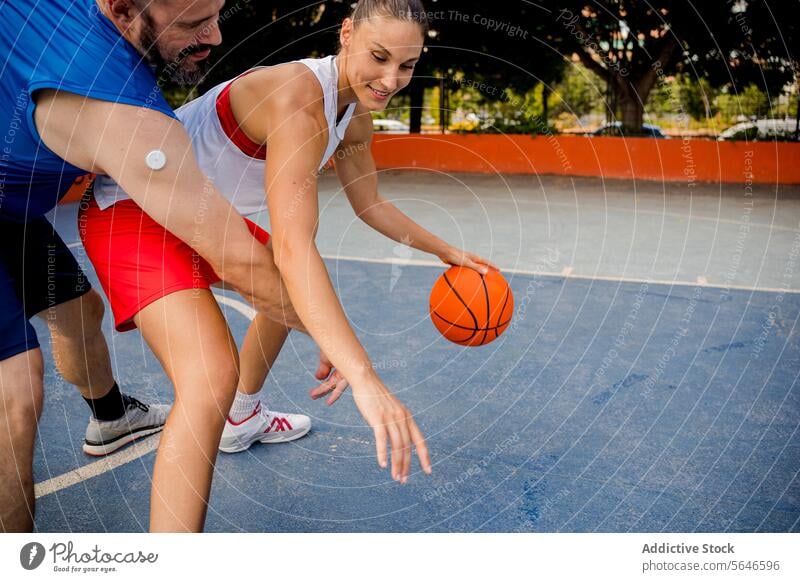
pixel 209 386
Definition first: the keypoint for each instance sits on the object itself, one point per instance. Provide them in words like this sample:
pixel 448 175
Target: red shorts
pixel 138 261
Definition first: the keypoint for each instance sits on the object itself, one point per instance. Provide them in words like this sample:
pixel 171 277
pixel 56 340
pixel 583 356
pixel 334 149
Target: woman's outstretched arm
pixel 294 148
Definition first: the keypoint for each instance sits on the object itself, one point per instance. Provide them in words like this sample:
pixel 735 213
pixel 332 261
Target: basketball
pixel 471 309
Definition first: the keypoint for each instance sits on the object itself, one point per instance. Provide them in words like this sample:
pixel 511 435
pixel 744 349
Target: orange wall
pixel 609 157
pixel 671 160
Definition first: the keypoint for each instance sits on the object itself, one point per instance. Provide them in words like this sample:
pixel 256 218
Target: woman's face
pixel 381 53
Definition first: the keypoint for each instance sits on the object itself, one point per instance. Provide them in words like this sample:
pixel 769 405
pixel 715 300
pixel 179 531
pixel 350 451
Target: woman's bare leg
pixel 262 344
pixel 250 420
pixel 190 337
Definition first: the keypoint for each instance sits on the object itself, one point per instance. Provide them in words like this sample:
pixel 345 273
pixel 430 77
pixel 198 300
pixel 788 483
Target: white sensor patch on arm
pixel 155 160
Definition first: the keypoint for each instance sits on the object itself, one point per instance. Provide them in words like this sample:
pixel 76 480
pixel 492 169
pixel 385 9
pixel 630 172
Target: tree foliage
pixel 634 43
pixel 517 44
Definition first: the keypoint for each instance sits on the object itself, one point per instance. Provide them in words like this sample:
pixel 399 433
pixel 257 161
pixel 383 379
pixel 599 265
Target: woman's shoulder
pixel 291 85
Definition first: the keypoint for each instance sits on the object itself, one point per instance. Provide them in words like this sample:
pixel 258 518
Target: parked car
pixel 760 129
pixel 615 130
pixel 390 126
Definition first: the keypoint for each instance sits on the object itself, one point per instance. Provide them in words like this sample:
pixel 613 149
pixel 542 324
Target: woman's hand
pixel 453 256
pixel 390 420
pixel 393 425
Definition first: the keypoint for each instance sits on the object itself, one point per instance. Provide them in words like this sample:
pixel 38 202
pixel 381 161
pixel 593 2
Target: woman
pixel 269 130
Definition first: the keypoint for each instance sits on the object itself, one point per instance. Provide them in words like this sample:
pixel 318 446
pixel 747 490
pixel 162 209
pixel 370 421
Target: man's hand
pixel 278 307
pixel 334 383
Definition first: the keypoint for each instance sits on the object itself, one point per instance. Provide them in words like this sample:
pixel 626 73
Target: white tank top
pixel 237 175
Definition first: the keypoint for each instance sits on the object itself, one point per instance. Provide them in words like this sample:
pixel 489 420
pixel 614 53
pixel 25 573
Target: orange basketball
pixel 471 309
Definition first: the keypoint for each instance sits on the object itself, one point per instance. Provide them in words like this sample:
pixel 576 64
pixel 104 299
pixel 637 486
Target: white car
pixel 390 126
pixel 616 130
pixel 759 129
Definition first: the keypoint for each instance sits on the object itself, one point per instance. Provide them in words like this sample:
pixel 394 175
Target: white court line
pixel 238 305
pixel 566 273
pixel 95 468
pixel 561 275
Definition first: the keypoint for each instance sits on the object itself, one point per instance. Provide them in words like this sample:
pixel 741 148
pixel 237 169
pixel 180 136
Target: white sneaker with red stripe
pixel 263 426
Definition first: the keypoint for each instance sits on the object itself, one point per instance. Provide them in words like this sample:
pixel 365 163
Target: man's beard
pixel 179 69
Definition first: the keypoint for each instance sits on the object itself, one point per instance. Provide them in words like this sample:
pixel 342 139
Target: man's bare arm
pixel 114 139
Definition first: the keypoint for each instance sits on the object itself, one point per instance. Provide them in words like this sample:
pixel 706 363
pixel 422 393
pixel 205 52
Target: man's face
pixel 176 37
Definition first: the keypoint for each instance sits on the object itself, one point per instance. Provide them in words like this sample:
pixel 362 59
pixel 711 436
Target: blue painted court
pixel 664 397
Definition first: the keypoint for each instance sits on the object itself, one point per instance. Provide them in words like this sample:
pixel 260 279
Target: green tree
pixel 578 93
pixel 495 46
pixel 267 32
pixel 696 96
pixel 633 43
pixel 751 102
pixel 517 44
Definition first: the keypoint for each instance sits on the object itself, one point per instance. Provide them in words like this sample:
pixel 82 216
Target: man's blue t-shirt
pixel 57 44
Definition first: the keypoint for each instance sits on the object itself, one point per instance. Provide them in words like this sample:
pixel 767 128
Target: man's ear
pixel 122 12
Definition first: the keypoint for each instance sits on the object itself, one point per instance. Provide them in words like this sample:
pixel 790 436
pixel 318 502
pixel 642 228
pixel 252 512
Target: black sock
pixel 109 407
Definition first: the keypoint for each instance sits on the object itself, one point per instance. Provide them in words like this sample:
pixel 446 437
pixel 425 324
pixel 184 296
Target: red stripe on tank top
pixel 228 122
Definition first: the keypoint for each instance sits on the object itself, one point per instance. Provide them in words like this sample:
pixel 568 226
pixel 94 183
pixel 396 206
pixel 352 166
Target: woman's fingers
pixel 397 447
pixel 405 452
pixel 396 433
pixel 380 445
pixel 483 262
pixel 419 444
pixel 476 263
pixel 482 269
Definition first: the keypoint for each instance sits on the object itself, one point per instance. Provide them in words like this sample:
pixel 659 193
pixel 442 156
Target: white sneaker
pixel 140 420
pixel 263 426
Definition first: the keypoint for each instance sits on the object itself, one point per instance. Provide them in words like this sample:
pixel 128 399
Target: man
pixel 78 94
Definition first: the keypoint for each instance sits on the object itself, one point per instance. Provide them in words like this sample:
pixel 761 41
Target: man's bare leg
pixel 21 396
pixel 80 350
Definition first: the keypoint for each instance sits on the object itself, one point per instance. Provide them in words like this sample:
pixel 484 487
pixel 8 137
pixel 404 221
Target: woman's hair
pixel 407 10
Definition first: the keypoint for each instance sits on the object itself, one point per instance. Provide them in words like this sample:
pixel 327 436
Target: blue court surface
pixel 612 403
